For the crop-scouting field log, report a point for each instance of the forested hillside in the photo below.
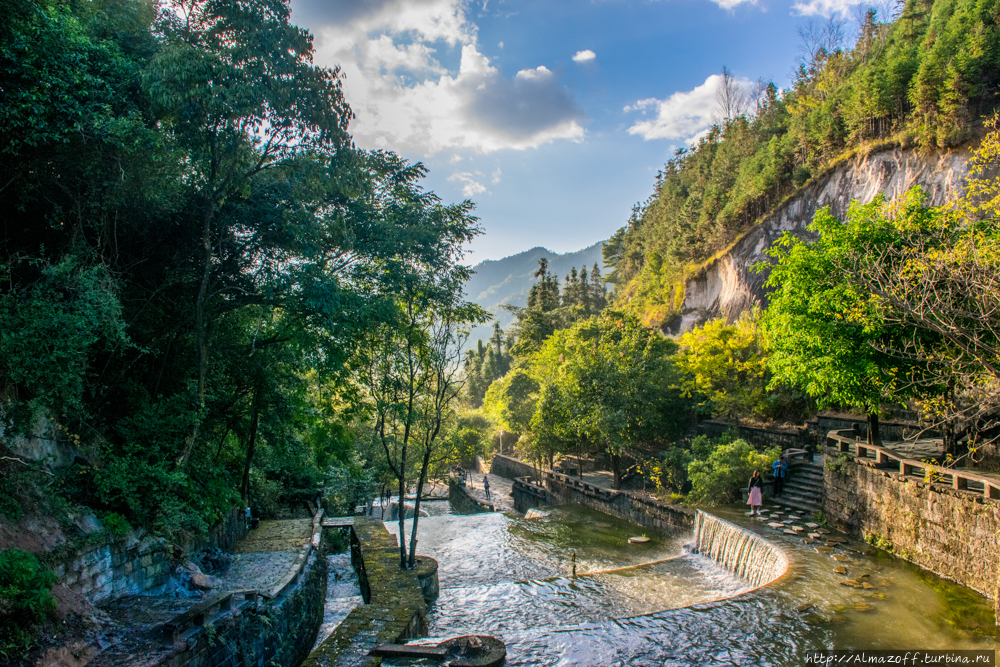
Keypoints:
(924, 79)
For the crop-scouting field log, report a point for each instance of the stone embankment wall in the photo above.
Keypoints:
(726, 286)
(630, 506)
(761, 437)
(465, 502)
(527, 495)
(136, 564)
(511, 468)
(395, 607)
(949, 532)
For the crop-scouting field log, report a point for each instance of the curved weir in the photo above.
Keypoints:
(740, 551)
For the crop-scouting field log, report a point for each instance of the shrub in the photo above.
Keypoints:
(25, 599)
(718, 479)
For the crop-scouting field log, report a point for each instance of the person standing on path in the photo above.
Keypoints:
(778, 469)
(486, 486)
(756, 495)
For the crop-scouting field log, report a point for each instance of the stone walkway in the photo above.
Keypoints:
(500, 491)
(266, 555)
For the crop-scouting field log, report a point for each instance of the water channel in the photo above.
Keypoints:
(512, 578)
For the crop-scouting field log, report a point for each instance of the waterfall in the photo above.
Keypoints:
(745, 553)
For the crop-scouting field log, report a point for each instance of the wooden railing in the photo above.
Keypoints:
(884, 457)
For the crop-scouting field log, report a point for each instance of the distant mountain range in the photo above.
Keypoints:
(507, 281)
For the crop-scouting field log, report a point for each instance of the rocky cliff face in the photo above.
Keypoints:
(726, 287)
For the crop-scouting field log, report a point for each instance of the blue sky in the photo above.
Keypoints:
(552, 116)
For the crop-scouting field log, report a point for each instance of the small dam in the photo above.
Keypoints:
(740, 551)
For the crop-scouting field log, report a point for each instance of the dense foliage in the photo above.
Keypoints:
(25, 597)
(192, 251)
(924, 78)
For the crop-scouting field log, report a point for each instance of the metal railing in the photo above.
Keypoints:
(845, 442)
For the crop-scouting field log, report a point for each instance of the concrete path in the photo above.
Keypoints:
(500, 490)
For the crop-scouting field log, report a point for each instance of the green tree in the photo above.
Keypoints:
(717, 479)
(823, 331)
(616, 379)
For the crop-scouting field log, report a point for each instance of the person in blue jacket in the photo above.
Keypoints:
(779, 469)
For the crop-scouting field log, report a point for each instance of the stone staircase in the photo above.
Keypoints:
(803, 486)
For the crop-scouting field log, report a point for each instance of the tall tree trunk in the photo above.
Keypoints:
(401, 505)
(201, 326)
(873, 432)
(616, 468)
(251, 446)
(416, 506)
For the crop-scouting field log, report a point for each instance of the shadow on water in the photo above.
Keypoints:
(512, 578)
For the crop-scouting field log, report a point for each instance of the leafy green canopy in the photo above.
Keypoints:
(191, 249)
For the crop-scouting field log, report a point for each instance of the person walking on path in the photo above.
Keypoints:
(756, 495)
(486, 486)
(778, 470)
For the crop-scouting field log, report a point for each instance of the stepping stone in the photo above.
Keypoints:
(789, 532)
(824, 550)
(862, 606)
(823, 530)
(840, 569)
(831, 543)
(814, 536)
(838, 540)
(776, 525)
(865, 585)
(842, 559)
(788, 521)
(812, 525)
(804, 607)
(853, 583)
(798, 529)
(865, 576)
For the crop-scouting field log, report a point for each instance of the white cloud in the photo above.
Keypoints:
(684, 115)
(406, 100)
(471, 187)
(732, 4)
(584, 56)
(825, 7)
(496, 175)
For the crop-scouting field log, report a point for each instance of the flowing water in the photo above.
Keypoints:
(660, 604)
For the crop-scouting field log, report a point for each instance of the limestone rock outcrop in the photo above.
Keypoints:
(727, 286)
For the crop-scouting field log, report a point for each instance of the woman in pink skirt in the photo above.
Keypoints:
(756, 498)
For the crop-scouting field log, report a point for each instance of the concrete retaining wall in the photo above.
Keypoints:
(951, 533)
(762, 437)
(463, 501)
(644, 511)
(527, 495)
(511, 468)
